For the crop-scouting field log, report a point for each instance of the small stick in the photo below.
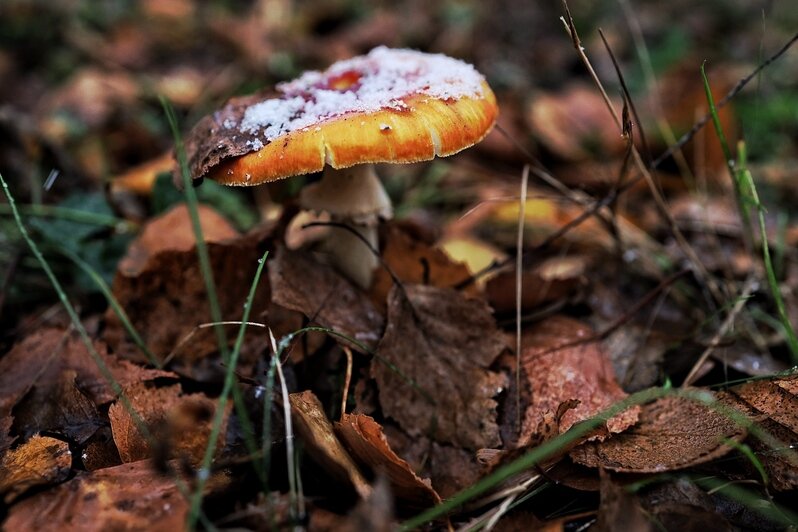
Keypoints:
(347, 380)
(724, 327)
(519, 263)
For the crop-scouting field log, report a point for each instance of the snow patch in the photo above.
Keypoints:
(364, 84)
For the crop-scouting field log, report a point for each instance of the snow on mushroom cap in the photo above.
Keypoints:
(364, 84)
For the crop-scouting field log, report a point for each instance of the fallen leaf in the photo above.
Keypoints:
(414, 262)
(574, 123)
(574, 372)
(161, 287)
(40, 461)
(673, 433)
(126, 497)
(366, 441)
(319, 436)
(775, 397)
(324, 296)
(551, 280)
(51, 382)
(619, 509)
(432, 371)
(180, 424)
(474, 252)
(173, 231)
(141, 178)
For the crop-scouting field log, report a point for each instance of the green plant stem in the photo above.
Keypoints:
(65, 213)
(727, 154)
(114, 304)
(548, 449)
(745, 177)
(229, 383)
(75, 319)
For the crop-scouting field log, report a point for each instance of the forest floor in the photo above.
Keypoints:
(584, 321)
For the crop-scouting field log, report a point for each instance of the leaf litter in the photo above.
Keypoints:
(432, 397)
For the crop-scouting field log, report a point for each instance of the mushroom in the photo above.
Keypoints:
(389, 106)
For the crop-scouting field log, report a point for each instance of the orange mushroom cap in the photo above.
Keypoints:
(391, 105)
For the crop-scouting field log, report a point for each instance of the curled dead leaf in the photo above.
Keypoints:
(366, 441)
(160, 285)
(181, 424)
(317, 432)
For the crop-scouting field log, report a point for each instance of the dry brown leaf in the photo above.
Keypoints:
(673, 433)
(317, 432)
(551, 280)
(366, 441)
(40, 461)
(414, 262)
(771, 404)
(557, 375)
(620, 510)
(432, 371)
(179, 423)
(775, 397)
(324, 296)
(574, 123)
(126, 497)
(160, 285)
(173, 231)
(51, 382)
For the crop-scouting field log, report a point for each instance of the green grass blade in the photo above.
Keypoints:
(747, 180)
(202, 248)
(738, 193)
(114, 304)
(546, 450)
(73, 215)
(229, 384)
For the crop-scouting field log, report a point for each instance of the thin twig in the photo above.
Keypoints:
(519, 271)
(347, 380)
(745, 294)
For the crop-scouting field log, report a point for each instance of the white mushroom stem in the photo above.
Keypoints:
(355, 197)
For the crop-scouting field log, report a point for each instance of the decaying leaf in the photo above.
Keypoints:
(673, 433)
(771, 404)
(51, 382)
(320, 293)
(317, 432)
(366, 441)
(181, 424)
(778, 398)
(432, 369)
(39, 461)
(126, 497)
(160, 285)
(620, 509)
(574, 123)
(575, 372)
(551, 280)
(414, 262)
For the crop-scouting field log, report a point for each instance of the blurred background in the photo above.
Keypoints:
(80, 83)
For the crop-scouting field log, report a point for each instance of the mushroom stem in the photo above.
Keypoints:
(353, 196)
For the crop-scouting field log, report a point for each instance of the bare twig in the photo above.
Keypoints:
(519, 271)
(748, 288)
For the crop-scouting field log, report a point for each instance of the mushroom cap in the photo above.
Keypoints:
(391, 105)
